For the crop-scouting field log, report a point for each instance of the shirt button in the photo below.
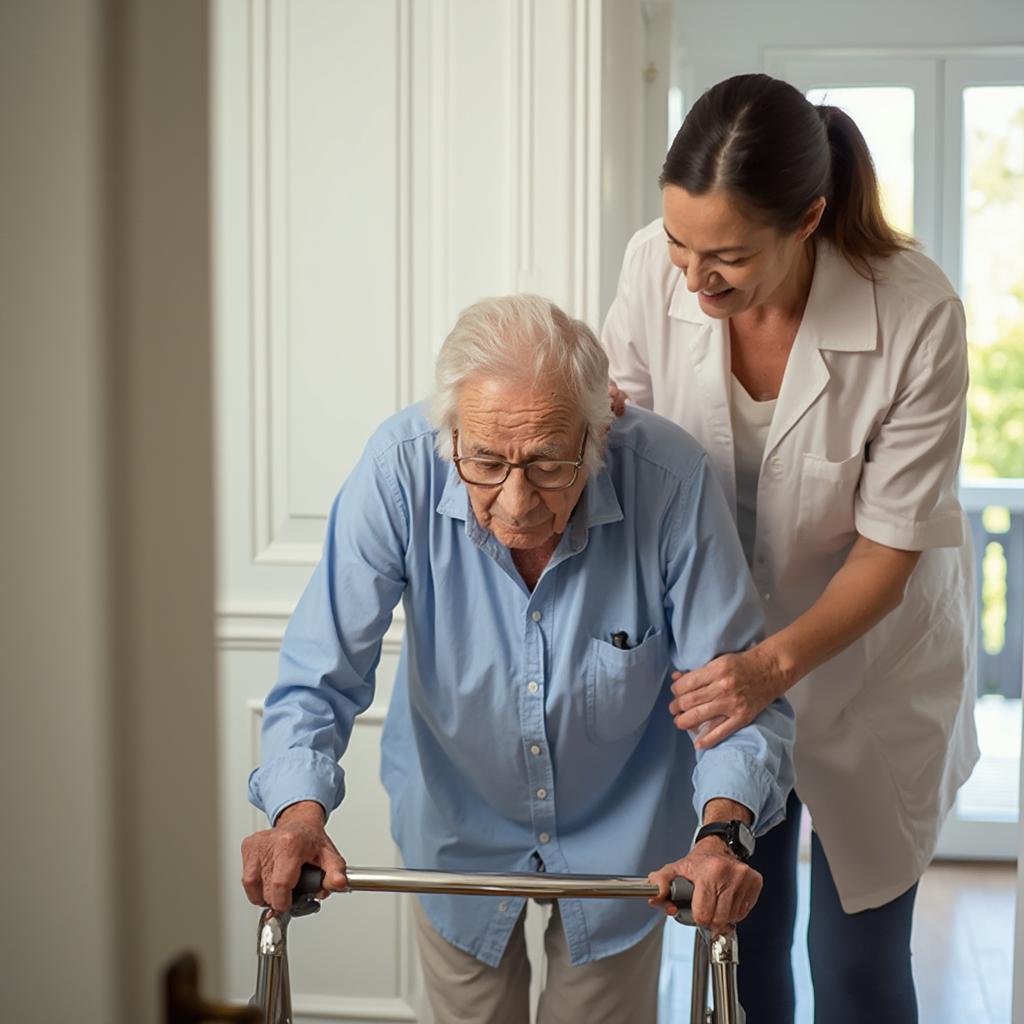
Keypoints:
(767, 596)
(532, 686)
(503, 907)
(541, 793)
(535, 750)
(544, 837)
(536, 616)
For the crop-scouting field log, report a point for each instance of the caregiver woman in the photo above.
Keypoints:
(822, 363)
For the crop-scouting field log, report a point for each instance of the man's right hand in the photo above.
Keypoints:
(272, 859)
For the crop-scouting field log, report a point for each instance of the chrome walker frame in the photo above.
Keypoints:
(715, 957)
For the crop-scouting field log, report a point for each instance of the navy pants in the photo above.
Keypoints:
(860, 963)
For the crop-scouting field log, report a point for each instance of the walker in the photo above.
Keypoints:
(714, 955)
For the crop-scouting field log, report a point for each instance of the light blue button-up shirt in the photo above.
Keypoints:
(518, 735)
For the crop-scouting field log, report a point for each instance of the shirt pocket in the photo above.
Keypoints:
(623, 686)
(828, 490)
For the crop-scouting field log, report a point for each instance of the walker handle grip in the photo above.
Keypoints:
(304, 901)
(680, 892)
(311, 881)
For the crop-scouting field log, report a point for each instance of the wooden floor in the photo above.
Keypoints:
(962, 945)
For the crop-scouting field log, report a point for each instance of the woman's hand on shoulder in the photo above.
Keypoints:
(618, 397)
(727, 694)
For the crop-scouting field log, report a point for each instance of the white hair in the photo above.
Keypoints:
(523, 339)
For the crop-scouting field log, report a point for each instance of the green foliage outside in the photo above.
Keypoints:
(995, 405)
(995, 402)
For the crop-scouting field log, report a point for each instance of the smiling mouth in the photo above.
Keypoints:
(716, 295)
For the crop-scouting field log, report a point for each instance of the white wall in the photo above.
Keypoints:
(110, 845)
(379, 167)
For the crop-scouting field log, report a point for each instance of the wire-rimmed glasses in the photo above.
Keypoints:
(544, 474)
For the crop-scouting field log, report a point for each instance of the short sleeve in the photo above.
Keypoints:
(907, 496)
(623, 334)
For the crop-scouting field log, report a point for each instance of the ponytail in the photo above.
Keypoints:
(760, 140)
(853, 220)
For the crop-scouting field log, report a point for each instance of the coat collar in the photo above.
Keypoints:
(840, 317)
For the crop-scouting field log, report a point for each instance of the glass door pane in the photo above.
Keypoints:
(895, 101)
(992, 284)
(885, 116)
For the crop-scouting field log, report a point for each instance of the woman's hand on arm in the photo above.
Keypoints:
(725, 695)
(735, 688)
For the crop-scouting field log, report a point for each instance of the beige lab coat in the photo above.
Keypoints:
(865, 440)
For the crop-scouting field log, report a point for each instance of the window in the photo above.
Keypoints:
(885, 115)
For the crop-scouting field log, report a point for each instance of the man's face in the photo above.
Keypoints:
(520, 423)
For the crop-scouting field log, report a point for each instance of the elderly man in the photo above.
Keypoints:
(554, 567)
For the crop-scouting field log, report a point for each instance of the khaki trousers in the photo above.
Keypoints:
(620, 989)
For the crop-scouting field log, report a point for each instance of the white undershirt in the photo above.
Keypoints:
(750, 423)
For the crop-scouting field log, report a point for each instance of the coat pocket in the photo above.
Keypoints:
(828, 493)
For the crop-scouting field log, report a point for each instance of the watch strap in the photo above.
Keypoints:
(735, 834)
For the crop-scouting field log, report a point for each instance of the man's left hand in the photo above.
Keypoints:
(724, 888)
(734, 688)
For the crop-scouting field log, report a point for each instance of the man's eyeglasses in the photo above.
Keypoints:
(544, 474)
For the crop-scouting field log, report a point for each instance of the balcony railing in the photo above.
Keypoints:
(999, 552)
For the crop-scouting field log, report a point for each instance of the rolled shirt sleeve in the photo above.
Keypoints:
(907, 497)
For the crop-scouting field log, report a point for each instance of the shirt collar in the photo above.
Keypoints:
(840, 314)
(454, 499)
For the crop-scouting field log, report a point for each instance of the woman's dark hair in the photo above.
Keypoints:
(761, 140)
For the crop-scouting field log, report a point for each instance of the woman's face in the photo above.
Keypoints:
(733, 263)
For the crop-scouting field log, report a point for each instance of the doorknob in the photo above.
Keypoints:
(184, 1005)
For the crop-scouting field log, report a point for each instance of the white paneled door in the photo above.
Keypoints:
(379, 166)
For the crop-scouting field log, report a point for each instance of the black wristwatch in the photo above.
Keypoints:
(735, 834)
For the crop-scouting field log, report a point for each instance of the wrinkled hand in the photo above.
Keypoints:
(724, 888)
(734, 689)
(619, 398)
(272, 859)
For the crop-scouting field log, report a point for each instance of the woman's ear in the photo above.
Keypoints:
(811, 219)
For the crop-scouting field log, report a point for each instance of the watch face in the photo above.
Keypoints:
(736, 835)
(745, 839)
